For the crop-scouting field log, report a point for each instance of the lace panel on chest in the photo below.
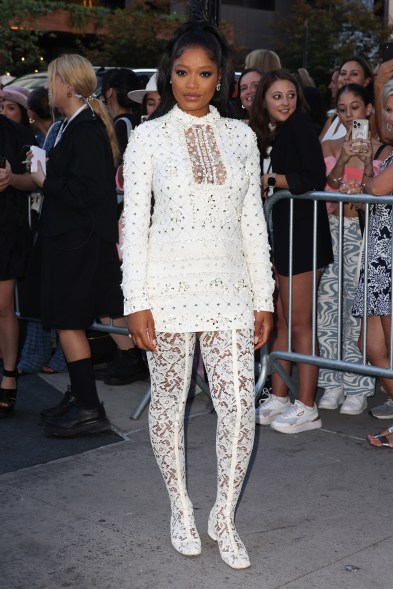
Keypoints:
(206, 162)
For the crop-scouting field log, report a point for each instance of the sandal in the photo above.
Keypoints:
(8, 396)
(383, 439)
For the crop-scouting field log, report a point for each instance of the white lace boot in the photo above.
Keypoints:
(169, 367)
(229, 362)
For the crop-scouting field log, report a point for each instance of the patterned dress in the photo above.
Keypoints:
(379, 261)
(201, 261)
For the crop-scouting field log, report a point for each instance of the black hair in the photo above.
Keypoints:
(38, 101)
(208, 36)
(122, 81)
(24, 116)
(361, 91)
(242, 112)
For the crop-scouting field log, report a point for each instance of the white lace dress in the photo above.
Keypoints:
(201, 261)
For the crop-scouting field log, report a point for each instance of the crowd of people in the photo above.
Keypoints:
(183, 169)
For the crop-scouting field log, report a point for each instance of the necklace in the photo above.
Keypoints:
(66, 122)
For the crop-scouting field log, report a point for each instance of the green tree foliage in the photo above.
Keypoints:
(319, 35)
(20, 50)
(136, 36)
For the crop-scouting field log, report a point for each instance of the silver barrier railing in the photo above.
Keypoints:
(331, 363)
(270, 362)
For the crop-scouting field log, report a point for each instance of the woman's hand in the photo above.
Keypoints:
(39, 176)
(364, 150)
(385, 72)
(141, 328)
(351, 187)
(263, 325)
(5, 176)
(346, 150)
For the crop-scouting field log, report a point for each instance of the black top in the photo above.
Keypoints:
(13, 202)
(79, 189)
(297, 154)
(122, 129)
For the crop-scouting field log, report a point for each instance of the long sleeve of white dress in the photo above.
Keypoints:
(200, 261)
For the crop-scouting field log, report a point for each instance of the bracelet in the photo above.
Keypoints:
(362, 188)
(338, 180)
(368, 175)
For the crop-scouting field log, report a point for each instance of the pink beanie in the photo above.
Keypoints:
(16, 93)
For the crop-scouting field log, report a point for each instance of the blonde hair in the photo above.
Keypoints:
(304, 77)
(78, 72)
(387, 91)
(264, 59)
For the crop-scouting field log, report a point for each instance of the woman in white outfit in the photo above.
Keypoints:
(198, 266)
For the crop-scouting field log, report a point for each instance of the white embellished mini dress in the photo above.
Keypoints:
(195, 245)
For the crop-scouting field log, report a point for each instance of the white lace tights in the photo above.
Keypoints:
(229, 362)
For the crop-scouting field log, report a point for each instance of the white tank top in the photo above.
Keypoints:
(335, 131)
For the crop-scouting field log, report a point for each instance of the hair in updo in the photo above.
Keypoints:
(362, 92)
(207, 36)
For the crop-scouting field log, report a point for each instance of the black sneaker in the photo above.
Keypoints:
(130, 368)
(69, 400)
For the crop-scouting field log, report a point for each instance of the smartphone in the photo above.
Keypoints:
(360, 129)
(387, 51)
(22, 153)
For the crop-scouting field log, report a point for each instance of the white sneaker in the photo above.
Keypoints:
(297, 418)
(269, 409)
(331, 399)
(354, 405)
(384, 411)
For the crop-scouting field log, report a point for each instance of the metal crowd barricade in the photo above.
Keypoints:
(332, 363)
(270, 362)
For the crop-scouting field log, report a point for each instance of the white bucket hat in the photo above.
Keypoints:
(138, 95)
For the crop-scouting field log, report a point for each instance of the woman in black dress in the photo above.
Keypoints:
(80, 270)
(297, 165)
(15, 242)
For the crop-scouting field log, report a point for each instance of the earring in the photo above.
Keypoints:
(69, 93)
(31, 121)
(170, 81)
(218, 87)
(243, 107)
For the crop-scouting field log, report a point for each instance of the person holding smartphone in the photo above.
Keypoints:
(377, 308)
(354, 70)
(347, 159)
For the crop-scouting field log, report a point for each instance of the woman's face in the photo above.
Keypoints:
(389, 114)
(333, 87)
(350, 107)
(58, 92)
(152, 101)
(281, 101)
(352, 73)
(248, 87)
(194, 79)
(11, 110)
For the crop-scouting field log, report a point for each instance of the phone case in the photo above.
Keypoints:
(360, 129)
(387, 51)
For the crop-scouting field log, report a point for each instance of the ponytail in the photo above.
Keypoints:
(101, 110)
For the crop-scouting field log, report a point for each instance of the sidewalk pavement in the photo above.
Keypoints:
(315, 513)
